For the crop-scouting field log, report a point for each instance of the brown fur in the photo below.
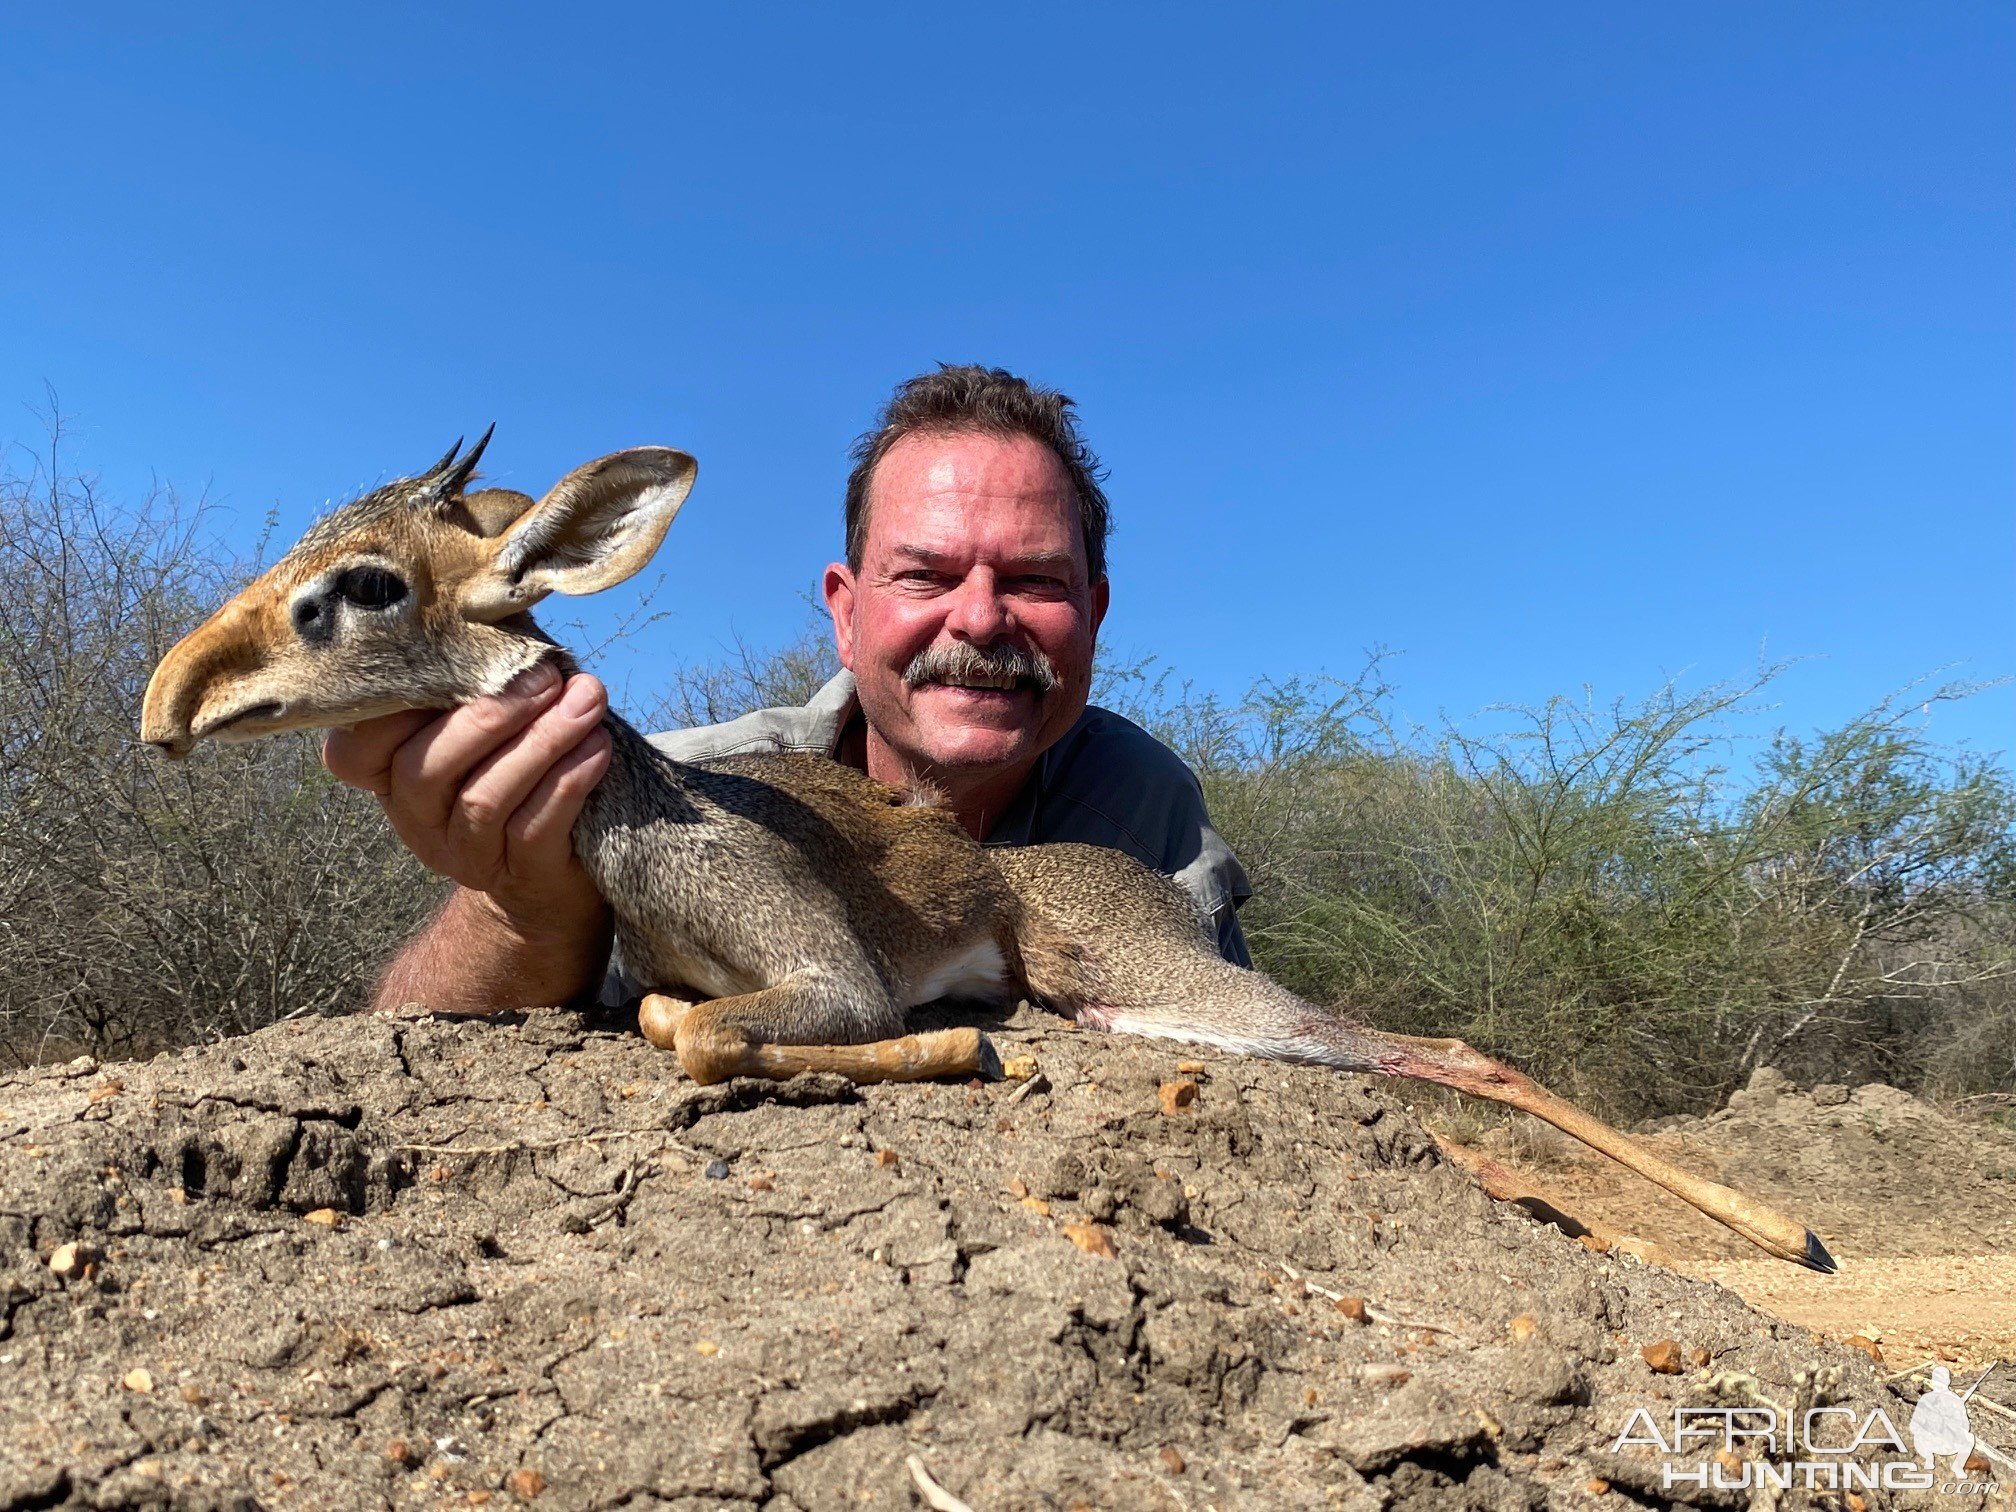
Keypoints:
(786, 910)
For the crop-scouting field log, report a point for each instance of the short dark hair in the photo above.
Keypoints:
(958, 399)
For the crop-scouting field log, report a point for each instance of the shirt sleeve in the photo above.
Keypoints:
(1231, 938)
(1213, 876)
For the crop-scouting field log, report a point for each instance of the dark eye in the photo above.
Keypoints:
(371, 587)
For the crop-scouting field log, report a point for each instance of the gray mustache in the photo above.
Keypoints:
(960, 661)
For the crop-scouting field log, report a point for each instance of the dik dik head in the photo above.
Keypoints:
(413, 597)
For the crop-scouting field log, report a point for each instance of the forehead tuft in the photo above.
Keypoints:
(379, 511)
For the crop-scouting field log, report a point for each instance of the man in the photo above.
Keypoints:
(966, 614)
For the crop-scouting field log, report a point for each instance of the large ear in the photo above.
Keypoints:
(598, 526)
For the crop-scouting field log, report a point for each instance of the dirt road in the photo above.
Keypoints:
(1917, 1204)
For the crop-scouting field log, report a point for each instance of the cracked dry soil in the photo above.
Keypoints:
(379, 1262)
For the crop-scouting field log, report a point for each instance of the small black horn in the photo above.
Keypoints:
(455, 478)
(436, 470)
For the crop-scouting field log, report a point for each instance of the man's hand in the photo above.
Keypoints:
(487, 795)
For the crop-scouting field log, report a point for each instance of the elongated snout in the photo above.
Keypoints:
(193, 691)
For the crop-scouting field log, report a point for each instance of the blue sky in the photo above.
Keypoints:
(1548, 346)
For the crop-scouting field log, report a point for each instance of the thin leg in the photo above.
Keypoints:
(1451, 1063)
(1242, 1011)
(1502, 1184)
(763, 1033)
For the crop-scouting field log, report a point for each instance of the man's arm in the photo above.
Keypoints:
(487, 795)
(474, 958)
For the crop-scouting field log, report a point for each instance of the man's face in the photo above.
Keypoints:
(973, 545)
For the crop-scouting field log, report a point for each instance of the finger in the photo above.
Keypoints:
(496, 786)
(361, 756)
(541, 833)
(428, 770)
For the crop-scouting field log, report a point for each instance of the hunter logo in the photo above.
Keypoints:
(1939, 1422)
(1824, 1448)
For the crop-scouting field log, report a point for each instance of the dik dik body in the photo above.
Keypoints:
(787, 910)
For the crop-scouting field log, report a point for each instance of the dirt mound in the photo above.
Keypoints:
(374, 1262)
(1918, 1204)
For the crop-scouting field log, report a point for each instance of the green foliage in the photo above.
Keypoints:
(1639, 903)
(745, 679)
(1612, 897)
(145, 904)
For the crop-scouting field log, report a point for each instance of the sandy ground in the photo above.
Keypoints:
(1917, 1204)
(1916, 1309)
(380, 1263)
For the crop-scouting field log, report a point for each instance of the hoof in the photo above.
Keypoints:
(659, 1018)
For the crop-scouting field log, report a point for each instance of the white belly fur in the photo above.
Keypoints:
(976, 973)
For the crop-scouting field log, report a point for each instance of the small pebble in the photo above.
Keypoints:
(1092, 1239)
(69, 1260)
(1175, 1096)
(525, 1483)
(717, 1170)
(1663, 1357)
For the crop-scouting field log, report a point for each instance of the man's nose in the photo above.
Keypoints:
(979, 613)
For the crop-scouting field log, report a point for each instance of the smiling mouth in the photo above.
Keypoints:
(987, 685)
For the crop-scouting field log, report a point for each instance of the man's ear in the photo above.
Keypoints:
(838, 587)
(599, 525)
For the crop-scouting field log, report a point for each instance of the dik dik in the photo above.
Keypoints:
(787, 910)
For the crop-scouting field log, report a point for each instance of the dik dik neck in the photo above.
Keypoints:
(642, 786)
